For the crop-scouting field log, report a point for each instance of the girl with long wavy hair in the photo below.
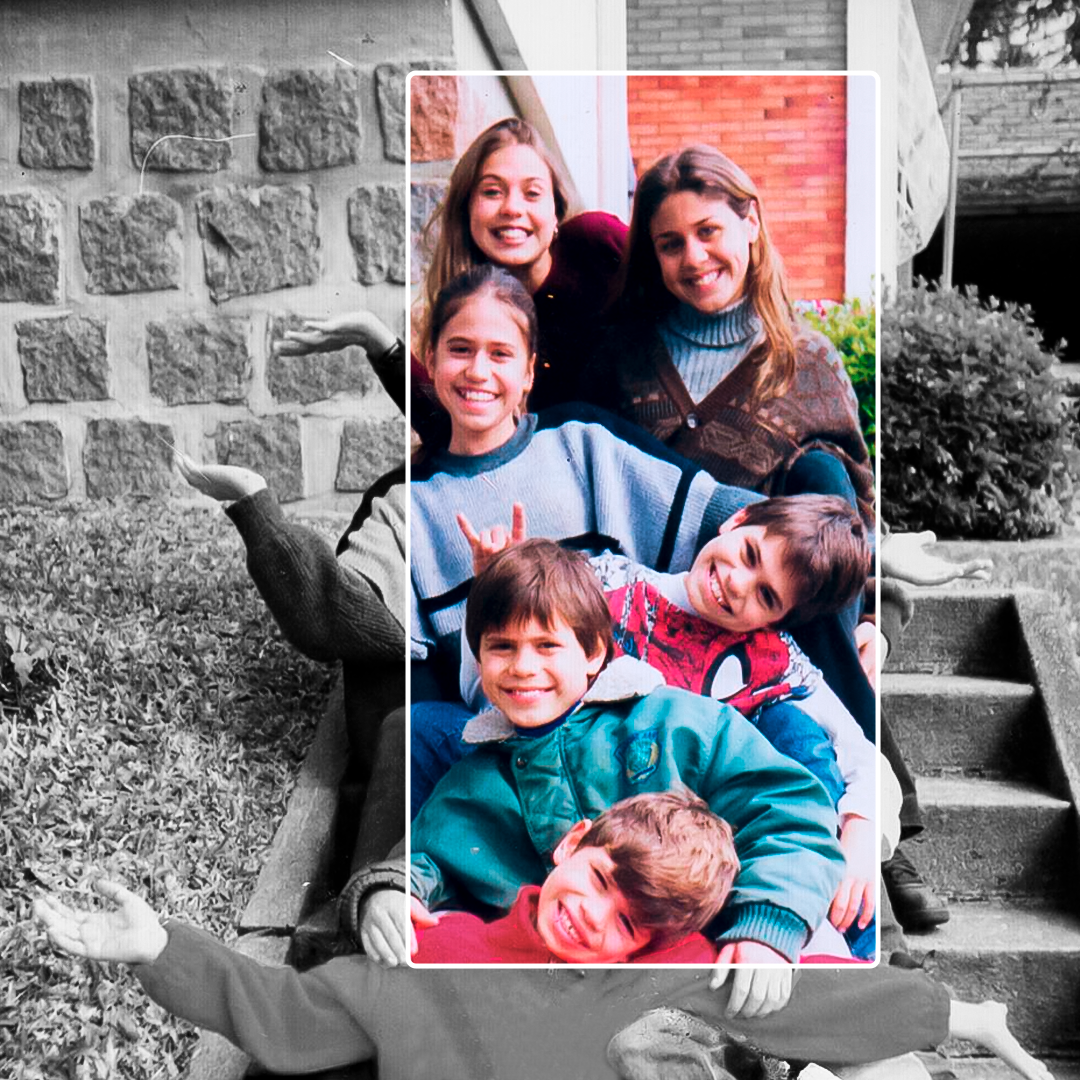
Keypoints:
(707, 352)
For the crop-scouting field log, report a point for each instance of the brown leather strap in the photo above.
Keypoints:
(722, 396)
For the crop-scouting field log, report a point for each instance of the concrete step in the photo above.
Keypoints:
(294, 876)
(967, 633)
(981, 1068)
(978, 725)
(994, 838)
(1027, 957)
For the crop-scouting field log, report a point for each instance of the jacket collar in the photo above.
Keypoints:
(623, 679)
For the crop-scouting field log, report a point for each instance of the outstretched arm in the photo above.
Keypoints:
(338, 332)
(385, 351)
(128, 933)
(287, 1021)
(904, 556)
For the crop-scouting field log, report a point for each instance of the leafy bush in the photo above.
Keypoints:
(853, 330)
(152, 720)
(979, 441)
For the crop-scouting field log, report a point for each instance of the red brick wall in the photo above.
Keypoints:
(787, 132)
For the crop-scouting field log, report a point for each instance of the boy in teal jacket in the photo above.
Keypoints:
(570, 735)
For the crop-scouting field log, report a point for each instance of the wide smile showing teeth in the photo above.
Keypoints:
(511, 234)
(477, 395)
(527, 693)
(703, 281)
(717, 590)
(567, 928)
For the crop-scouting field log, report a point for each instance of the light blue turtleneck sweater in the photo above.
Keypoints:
(705, 348)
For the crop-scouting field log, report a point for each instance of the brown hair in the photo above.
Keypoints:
(642, 293)
(826, 550)
(500, 284)
(447, 236)
(539, 580)
(674, 859)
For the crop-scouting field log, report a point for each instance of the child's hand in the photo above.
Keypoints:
(130, 933)
(221, 482)
(338, 332)
(856, 891)
(489, 542)
(904, 556)
(754, 991)
(383, 933)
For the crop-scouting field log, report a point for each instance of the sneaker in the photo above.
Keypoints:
(917, 906)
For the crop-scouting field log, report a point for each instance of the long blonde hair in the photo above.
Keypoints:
(447, 236)
(641, 292)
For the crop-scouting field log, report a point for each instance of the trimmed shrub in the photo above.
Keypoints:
(853, 330)
(979, 441)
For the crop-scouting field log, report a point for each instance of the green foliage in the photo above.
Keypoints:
(853, 330)
(1020, 33)
(979, 441)
(151, 723)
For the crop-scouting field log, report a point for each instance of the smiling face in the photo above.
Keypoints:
(512, 217)
(582, 915)
(482, 370)
(740, 580)
(703, 249)
(533, 673)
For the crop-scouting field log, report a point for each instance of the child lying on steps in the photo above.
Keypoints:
(450, 1024)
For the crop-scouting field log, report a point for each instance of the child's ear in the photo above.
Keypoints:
(530, 369)
(569, 843)
(732, 522)
(429, 360)
(596, 661)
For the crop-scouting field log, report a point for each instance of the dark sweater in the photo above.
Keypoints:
(462, 1024)
(340, 607)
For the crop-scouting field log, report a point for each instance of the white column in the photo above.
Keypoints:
(873, 30)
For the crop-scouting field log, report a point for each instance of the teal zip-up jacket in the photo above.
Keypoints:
(494, 820)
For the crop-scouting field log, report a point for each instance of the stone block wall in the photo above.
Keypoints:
(730, 34)
(144, 279)
(787, 131)
(447, 113)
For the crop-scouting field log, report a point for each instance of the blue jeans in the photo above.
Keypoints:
(435, 745)
(793, 733)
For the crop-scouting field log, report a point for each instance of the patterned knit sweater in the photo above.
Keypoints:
(634, 376)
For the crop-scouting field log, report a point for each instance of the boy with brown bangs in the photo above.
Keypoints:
(570, 735)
